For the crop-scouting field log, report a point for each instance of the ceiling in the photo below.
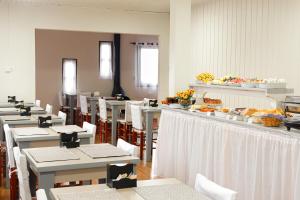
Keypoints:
(135, 5)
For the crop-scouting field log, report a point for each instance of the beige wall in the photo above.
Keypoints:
(53, 45)
(18, 21)
(254, 38)
(128, 66)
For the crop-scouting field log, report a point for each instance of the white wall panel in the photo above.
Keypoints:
(249, 38)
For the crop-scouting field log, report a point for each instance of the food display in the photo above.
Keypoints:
(207, 109)
(236, 81)
(212, 101)
(272, 120)
(205, 77)
(170, 100)
(273, 83)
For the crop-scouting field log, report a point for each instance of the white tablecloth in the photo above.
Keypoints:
(258, 164)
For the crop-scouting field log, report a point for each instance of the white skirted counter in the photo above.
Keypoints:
(259, 163)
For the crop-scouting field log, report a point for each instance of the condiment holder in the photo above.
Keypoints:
(121, 176)
(69, 140)
(44, 122)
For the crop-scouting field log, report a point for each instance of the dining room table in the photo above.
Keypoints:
(32, 137)
(12, 105)
(15, 121)
(156, 189)
(84, 163)
(34, 110)
(149, 114)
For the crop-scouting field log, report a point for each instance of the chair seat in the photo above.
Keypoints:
(123, 121)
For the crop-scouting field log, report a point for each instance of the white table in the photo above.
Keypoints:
(115, 107)
(16, 111)
(125, 194)
(255, 161)
(85, 168)
(15, 121)
(149, 113)
(41, 140)
(12, 105)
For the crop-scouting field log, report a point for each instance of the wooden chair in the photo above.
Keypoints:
(212, 190)
(11, 164)
(124, 126)
(91, 129)
(49, 109)
(63, 116)
(62, 103)
(127, 147)
(2, 161)
(84, 111)
(23, 174)
(104, 121)
(138, 129)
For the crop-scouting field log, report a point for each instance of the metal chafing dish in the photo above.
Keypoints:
(292, 106)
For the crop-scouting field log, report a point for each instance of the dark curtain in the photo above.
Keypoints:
(117, 70)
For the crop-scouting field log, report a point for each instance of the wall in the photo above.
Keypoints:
(128, 67)
(53, 45)
(18, 21)
(253, 38)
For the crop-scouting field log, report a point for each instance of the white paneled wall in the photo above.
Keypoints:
(249, 38)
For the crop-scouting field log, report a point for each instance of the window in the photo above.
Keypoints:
(105, 63)
(69, 75)
(147, 66)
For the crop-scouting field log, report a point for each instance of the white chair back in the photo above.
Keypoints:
(91, 129)
(41, 194)
(63, 116)
(213, 190)
(9, 146)
(38, 103)
(83, 104)
(129, 148)
(96, 94)
(103, 109)
(137, 117)
(128, 104)
(23, 174)
(49, 109)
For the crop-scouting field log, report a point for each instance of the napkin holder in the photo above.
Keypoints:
(19, 104)
(114, 170)
(69, 140)
(153, 103)
(45, 122)
(11, 99)
(25, 111)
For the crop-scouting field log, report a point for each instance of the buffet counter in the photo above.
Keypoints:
(259, 163)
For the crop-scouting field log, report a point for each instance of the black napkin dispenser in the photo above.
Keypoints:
(69, 140)
(25, 111)
(114, 170)
(11, 99)
(153, 103)
(45, 122)
(19, 104)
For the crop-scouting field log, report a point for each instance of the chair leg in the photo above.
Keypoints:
(141, 145)
(100, 131)
(106, 132)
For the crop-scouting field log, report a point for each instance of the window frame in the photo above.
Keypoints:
(138, 66)
(99, 59)
(76, 72)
